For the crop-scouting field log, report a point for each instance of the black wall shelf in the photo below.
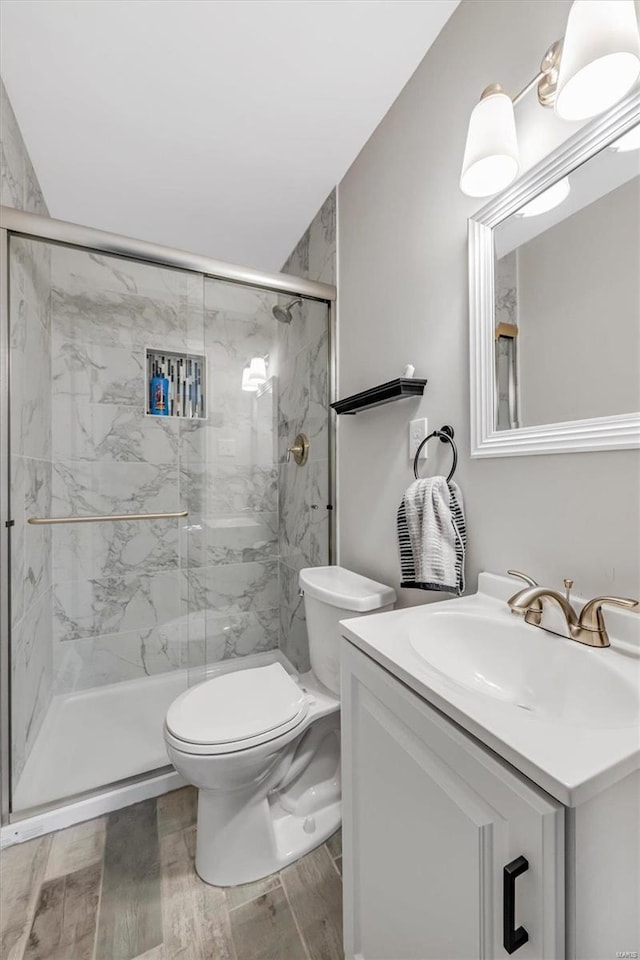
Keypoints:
(385, 393)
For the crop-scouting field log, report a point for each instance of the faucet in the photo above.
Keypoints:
(587, 627)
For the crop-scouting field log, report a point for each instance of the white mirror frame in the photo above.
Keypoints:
(621, 432)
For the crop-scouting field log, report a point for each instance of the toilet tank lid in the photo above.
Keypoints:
(343, 588)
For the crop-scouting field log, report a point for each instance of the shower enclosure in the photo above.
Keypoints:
(150, 536)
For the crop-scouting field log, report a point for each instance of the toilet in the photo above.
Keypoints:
(262, 744)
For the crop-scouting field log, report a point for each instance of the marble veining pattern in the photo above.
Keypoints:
(106, 431)
(120, 548)
(231, 588)
(294, 642)
(31, 676)
(229, 488)
(129, 599)
(80, 271)
(303, 399)
(238, 634)
(109, 604)
(19, 186)
(30, 463)
(314, 256)
(98, 373)
(18, 538)
(507, 289)
(112, 487)
(116, 596)
(293, 398)
(133, 320)
(37, 544)
(111, 658)
(242, 538)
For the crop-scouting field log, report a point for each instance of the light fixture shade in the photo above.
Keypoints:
(546, 201)
(600, 57)
(257, 371)
(491, 153)
(246, 383)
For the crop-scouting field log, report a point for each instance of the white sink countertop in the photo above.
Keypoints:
(566, 715)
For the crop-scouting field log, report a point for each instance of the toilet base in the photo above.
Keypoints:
(247, 834)
(291, 838)
(295, 836)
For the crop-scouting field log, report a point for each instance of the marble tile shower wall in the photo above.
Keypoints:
(507, 289)
(31, 494)
(232, 477)
(19, 185)
(119, 608)
(303, 404)
(139, 598)
(30, 467)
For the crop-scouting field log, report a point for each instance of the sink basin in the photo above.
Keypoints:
(501, 657)
(566, 715)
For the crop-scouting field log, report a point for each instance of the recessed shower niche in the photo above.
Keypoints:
(176, 384)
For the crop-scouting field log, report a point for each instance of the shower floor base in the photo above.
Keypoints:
(94, 738)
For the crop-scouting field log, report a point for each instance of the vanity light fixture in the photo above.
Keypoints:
(591, 69)
(257, 371)
(254, 374)
(491, 153)
(546, 201)
(600, 57)
(248, 384)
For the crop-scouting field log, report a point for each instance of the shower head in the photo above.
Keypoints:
(283, 313)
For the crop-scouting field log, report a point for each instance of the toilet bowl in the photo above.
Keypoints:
(262, 744)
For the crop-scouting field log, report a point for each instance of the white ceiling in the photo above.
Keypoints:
(215, 126)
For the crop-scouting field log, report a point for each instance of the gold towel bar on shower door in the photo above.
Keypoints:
(113, 516)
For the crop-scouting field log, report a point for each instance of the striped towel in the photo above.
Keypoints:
(432, 536)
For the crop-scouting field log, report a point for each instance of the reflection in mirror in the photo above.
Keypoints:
(567, 296)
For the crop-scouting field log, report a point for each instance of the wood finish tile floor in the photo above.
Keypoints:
(124, 886)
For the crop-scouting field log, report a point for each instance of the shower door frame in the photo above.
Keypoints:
(34, 227)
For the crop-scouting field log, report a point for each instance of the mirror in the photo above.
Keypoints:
(555, 299)
(567, 295)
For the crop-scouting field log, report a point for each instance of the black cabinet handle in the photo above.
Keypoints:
(512, 939)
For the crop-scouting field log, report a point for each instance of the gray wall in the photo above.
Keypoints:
(578, 313)
(30, 468)
(302, 405)
(403, 298)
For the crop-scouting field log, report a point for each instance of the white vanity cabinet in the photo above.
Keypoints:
(471, 742)
(431, 819)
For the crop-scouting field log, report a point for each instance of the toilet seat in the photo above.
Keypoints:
(236, 711)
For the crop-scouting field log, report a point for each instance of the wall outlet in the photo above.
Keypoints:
(226, 448)
(418, 430)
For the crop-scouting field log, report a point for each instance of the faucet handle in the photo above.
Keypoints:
(522, 576)
(592, 617)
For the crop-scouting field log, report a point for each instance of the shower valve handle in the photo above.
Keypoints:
(299, 449)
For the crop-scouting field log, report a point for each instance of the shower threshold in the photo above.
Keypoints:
(98, 737)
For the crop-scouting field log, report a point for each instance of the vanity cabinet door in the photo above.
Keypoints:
(430, 820)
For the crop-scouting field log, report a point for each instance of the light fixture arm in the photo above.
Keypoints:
(546, 80)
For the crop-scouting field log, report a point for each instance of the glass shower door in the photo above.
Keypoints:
(100, 610)
(257, 517)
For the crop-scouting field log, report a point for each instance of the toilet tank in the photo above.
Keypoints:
(332, 594)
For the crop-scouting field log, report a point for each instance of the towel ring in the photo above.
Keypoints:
(445, 435)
